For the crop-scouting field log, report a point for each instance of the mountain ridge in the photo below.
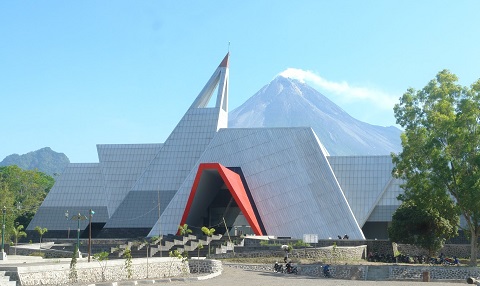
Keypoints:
(44, 160)
(286, 102)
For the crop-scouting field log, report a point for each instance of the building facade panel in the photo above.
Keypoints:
(322, 200)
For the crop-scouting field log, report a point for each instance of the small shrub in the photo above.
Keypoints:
(300, 243)
(37, 253)
(102, 258)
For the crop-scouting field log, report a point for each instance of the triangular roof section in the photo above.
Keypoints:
(78, 189)
(375, 179)
(234, 184)
(117, 160)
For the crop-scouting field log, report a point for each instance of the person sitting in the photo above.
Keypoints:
(441, 258)
(339, 237)
(345, 236)
(456, 261)
(288, 266)
(326, 271)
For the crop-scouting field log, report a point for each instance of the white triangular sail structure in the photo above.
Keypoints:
(179, 153)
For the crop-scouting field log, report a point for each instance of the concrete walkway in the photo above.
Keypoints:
(21, 260)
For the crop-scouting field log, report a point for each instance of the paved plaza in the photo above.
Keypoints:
(238, 277)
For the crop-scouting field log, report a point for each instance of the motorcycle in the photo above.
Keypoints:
(289, 269)
(277, 268)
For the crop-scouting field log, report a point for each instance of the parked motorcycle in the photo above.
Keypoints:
(290, 269)
(277, 268)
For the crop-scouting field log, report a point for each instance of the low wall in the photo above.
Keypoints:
(373, 246)
(449, 250)
(436, 272)
(360, 272)
(328, 254)
(204, 265)
(350, 272)
(57, 273)
(46, 253)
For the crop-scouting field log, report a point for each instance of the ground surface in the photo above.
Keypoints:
(238, 277)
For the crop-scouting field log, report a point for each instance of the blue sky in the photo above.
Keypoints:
(74, 74)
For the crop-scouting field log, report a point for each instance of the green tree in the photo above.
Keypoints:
(441, 148)
(184, 230)
(41, 231)
(199, 247)
(17, 232)
(6, 200)
(27, 190)
(208, 232)
(178, 255)
(73, 275)
(128, 262)
(425, 227)
(102, 258)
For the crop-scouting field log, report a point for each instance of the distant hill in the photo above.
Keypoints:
(44, 160)
(286, 102)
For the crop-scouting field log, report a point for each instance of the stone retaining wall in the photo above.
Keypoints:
(46, 253)
(114, 270)
(351, 272)
(327, 254)
(436, 272)
(205, 266)
(359, 272)
(374, 246)
(450, 250)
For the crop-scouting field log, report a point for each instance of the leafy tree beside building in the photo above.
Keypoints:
(22, 192)
(440, 160)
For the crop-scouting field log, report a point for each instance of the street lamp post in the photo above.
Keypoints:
(91, 212)
(68, 232)
(78, 218)
(3, 254)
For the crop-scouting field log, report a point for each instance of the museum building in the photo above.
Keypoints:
(261, 181)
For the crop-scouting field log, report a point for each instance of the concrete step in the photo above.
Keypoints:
(5, 280)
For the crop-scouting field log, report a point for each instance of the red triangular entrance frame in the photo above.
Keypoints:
(234, 184)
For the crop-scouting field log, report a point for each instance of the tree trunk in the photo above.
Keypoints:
(473, 246)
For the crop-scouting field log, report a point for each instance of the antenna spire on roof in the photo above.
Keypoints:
(228, 46)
